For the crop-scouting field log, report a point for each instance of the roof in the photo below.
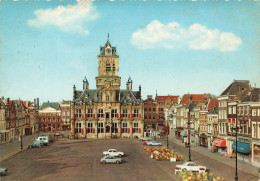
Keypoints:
(214, 110)
(25, 104)
(102, 49)
(237, 86)
(194, 97)
(125, 96)
(163, 98)
(253, 96)
(212, 103)
(54, 105)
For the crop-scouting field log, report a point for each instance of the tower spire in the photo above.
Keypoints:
(108, 36)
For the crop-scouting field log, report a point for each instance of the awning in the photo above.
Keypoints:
(241, 147)
(219, 143)
(191, 132)
(35, 127)
(183, 133)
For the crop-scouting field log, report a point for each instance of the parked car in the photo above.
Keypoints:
(189, 166)
(56, 133)
(110, 159)
(43, 139)
(3, 171)
(113, 152)
(154, 143)
(145, 139)
(36, 144)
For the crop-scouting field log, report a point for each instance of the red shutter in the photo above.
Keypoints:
(86, 115)
(128, 130)
(103, 130)
(139, 115)
(139, 130)
(117, 115)
(82, 115)
(93, 115)
(82, 130)
(128, 115)
(75, 130)
(93, 130)
(86, 130)
(98, 115)
(132, 115)
(121, 115)
(75, 115)
(121, 130)
(103, 115)
(132, 130)
(116, 130)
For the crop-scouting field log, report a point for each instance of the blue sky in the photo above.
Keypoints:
(171, 47)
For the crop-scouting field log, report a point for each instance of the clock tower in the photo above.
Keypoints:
(108, 81)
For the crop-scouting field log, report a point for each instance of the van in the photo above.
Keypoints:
(43, 139)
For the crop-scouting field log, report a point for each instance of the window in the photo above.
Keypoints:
(150, 116)
(245, 110)
(124, 128)
(68, 108)
(78, 128)
(254, 131)
(136, 112)
(78, 113)
(258, 112)
(234, 109)
(68, 120)
(100, 128)
(100, 113)
(161, 103)
(153, 116)
(153, 109)
(67, 113)
(229, 109)
(150, 110)
(114, 113)
(145, 116)
(114, 128)
(145, 109)
(125, 113)
(114, 67)
(90, 112)
(63, 113)
(90, 127)
(135, 129)
(108, 67)
(253, 112)
(63, 119)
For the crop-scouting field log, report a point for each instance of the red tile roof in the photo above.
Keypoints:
(29, 103)
(194, 97)
(212, 103)
(163, 98)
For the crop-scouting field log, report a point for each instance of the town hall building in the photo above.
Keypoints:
(108, 111)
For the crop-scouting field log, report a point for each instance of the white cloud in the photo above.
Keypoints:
(71, 18)
(173, 35)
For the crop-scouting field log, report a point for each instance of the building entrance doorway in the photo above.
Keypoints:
(107, 129)
(107, 116)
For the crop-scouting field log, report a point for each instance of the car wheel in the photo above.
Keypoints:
(119, 155)
(107, 154)
(117, 162)
(104, 162)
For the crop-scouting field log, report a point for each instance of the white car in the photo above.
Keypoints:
(189, 166)
(145, 139)
(113, 152)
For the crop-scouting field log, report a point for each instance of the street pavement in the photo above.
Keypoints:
(217, 164)
(11, 148)
(80, 159)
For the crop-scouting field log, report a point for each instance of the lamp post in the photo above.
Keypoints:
(21, 139)
(189, 133)
(236, 128)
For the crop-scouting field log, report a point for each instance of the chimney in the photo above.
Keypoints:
(34, 102)
(140, 91)
(3, 97)
(74, 92)
(38, 103)
(8, 99)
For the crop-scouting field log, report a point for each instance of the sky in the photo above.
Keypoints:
(172, 47)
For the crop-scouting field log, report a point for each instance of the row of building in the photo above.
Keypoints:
(213, 122)
(17, 118)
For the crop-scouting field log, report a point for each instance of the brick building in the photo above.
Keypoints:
(150, 114)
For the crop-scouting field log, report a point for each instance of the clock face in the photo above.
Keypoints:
(107, 85)
(108, 51)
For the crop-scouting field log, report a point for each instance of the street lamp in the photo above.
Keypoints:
(21, 139)
(236, 128)
(189, 133)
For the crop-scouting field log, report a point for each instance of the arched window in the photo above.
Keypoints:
(114, 67)
(107, 98)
